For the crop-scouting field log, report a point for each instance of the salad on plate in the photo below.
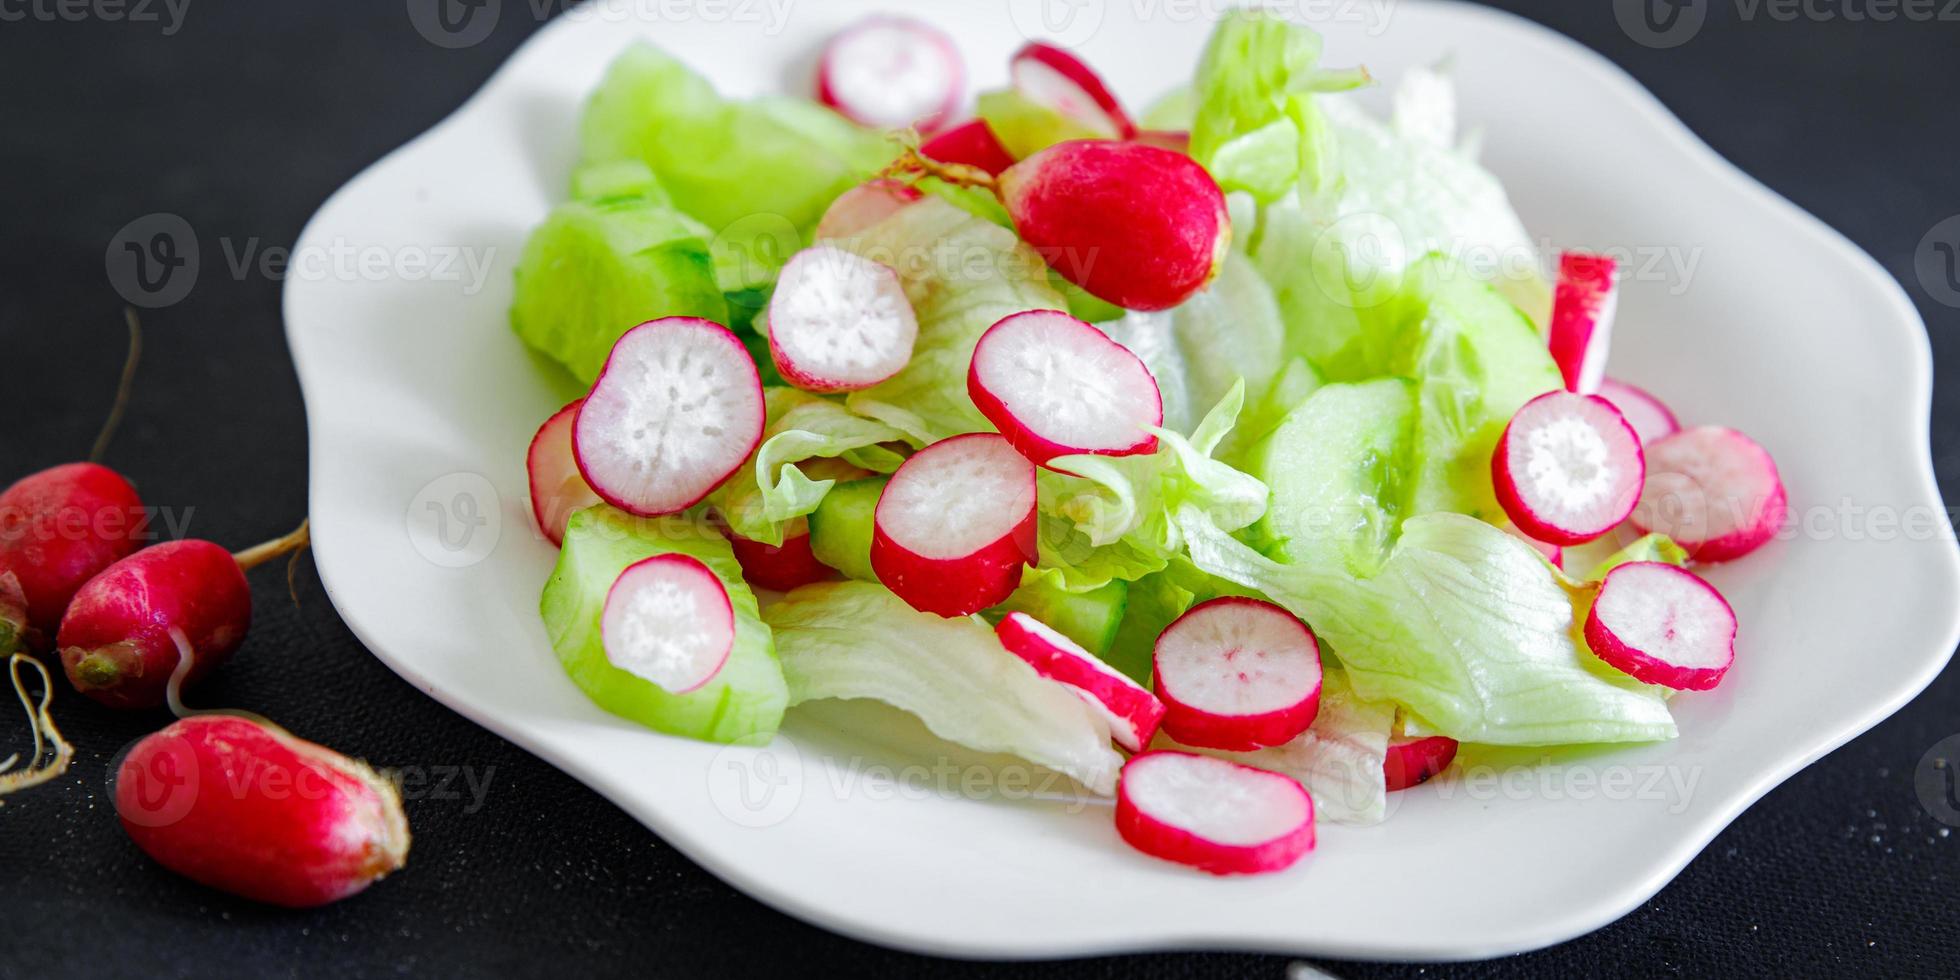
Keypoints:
(1178, 452)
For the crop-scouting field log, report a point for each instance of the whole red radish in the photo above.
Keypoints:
(245, 807)
(125, 633)
(61, 526)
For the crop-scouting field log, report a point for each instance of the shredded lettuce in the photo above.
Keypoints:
(770, 490)
(1257, 126)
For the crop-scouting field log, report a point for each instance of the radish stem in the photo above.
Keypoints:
(123, 387)
(47, 738)
(912, 163)
(259, 554)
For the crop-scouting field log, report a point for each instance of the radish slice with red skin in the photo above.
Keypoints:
(557, 487)
(1050, 76)
(972, 143)
(839, 321)
(1662, 624)
(1582, 318)
(1568, 468)
(1133, 712)
(1237, 674)
(863, 206)
(955, 524)
(780, 567)
(1715, 491)
(668, 621)
(675, 411)
(1056, 386)
(1414, 761)
(1213, 815)
(1651, 418)
(892, 72)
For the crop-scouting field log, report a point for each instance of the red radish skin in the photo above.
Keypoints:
(1133, 712)
(1662, 624)
(1414, 761)
(839, 321)
(558, 490)
(1568, 468)
(675, 411)
(116, 640)
(1050, 76)
(1583, 306)
(61, 526)
(1650, 417)
(668, 620)
(955, 525)
(1056, 386)
(780, 567)
(247, 808)
(971, 143)
(1237, 674)
(892, 72)
(863, 206)
(1213, 815)
(1134, 225)
(1715, 491)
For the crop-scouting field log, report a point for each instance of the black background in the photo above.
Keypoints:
(252, 113)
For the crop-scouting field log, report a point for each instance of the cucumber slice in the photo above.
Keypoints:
(840, 529)
(1089, 618)
(1338, 468)
(742, 703)
(618, 178)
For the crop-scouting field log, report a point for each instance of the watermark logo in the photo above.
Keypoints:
(756, 787)
(163, 789)
(1937, 262)
(456, 520)
(1937, 781)
(1063, 22)
(454, 23)
(1661, 24)
(152, 261)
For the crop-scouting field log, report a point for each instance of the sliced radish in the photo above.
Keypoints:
(890, 72)
(557, 487)
(1133, 712)
(839, 321)
(1055, 386)
(1237, 674)
(668, 621)
(972, 143)
(675, 411)
(1050, 76)
(1651, 419)
(1662, 624)
(955, 525)
(780, 567)
(1714, 491)
(1582, 318)
(1211, 814)
(863, 206)
(1553, 553)
(1413, 761)
(1568, 468)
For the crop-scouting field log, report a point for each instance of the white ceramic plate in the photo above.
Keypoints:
(421, 402)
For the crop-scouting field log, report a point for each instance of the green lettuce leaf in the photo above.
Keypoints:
(1256, 127)
(770, 490)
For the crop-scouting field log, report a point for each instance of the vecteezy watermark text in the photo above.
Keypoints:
(168, 13)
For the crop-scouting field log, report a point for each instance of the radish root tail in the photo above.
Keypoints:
(48, 743)
(173, 693)
(913, 165)
(291, 544)
(123, 387)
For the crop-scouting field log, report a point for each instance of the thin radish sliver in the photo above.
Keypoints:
(1715, 491)
(1413, 761)
(1662, 625)
(1650, 417)
(972, 143)
(1056, 386)
(838, 321)
(890, 72)
(1237, 674)
(667, 620)
(1582, 319)
(1213, 815)
(1050, 76)
(1568, 468)
(557, 487)
(863, 206)
(1132, 711)
(955, 525)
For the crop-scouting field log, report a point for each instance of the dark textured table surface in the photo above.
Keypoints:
(242, 117)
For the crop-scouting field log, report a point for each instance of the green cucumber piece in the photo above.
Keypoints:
(840, 528)
(1089, 618)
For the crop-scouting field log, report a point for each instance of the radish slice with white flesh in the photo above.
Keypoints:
(557, 487)
(972, 143)
(1211, 814)
(955, 525)
(1662, 624)
(1237, 674)
(1582, 319)
(838, 321)
(1133, 712)
(1715, 491)
(668, 621)
(1651, 418)
(1568, 468)
(674, 413)
(1049, 76)
(892, 72)
(1414, 761)
(863, 206)
(1055, 386)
